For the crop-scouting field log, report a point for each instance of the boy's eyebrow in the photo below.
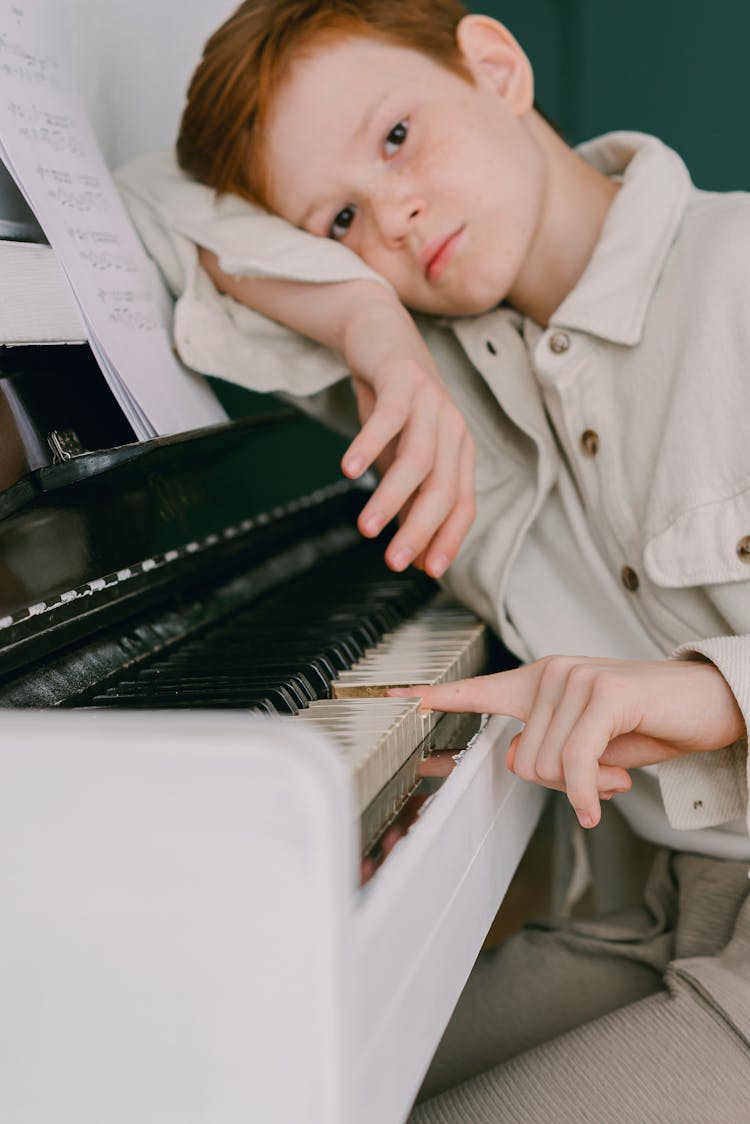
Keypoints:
(361, 129)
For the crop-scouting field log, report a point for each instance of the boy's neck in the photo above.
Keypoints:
(576, 205)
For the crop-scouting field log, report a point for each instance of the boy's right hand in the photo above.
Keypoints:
(411, 429)
(415, 435)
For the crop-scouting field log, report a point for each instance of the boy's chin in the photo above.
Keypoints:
(455, 307)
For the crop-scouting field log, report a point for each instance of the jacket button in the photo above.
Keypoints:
(559, 342)
(629, 578)
(743, 549)
(590, 442)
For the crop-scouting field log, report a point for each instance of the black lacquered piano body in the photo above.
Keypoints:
(119, 526)
(182, 909)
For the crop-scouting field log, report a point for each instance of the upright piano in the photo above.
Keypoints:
(184, 817)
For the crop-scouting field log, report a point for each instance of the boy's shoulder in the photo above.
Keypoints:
(717, 224)
(709, 261)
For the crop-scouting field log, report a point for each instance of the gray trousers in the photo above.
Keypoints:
(637, 1017)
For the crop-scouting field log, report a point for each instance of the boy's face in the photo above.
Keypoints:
(437, 183)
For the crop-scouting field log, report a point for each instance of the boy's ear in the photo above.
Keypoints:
(495, 59)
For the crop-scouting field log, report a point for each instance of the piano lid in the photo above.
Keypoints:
(151, 511)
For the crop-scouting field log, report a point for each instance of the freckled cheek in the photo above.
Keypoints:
(431, 160)
(447, 172)
(470, 184)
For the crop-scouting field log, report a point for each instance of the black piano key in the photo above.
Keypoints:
(298, 686)
(276, 700)
(306, 661)
(312, 680)
(257, 706)
(263, 647)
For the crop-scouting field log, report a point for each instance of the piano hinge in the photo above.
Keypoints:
(64, 444)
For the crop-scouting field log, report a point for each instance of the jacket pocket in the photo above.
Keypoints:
(706, 545)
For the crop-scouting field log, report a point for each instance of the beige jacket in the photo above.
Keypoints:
(649, 354)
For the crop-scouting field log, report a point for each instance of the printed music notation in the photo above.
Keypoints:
(47, 143)
(22, 58)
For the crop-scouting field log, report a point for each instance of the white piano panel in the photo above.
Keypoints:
(174, 892)
(183, 937)
(421, 922)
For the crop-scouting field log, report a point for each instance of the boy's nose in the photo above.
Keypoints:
(396, 217)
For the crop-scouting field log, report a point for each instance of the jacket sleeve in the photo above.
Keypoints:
(214, 334)
(700, 499)
(706, 789)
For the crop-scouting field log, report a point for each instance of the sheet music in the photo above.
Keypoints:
(49, 147)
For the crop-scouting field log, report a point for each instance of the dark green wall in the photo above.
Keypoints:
(679, 70)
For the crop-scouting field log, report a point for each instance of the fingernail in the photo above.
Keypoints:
(354, 466)
(374, 523)
(402, 558)
(439, 565)
(584, 819)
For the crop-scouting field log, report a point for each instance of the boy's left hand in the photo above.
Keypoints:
(426, 469)
(413, 432)
(587, 721)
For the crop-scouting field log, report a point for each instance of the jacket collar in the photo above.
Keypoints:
(612, 296)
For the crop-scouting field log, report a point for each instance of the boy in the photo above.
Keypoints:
(597, 315)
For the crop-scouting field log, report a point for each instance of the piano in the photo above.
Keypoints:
(185, 813)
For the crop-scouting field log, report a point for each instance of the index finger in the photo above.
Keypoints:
(388, 418)
(505, 692)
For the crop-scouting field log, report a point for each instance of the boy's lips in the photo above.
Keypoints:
(436, 255)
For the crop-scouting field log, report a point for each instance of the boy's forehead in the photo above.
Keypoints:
(347, 65)
(327, 102)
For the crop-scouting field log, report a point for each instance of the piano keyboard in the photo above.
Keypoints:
(323, 649)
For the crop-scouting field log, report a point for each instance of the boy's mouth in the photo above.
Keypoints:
(437, 255)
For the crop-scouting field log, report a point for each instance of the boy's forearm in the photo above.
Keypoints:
(329, 313)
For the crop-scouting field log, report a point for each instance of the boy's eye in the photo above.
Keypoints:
(396, 137)
(342, 222)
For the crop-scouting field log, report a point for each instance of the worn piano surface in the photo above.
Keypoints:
(185, 933)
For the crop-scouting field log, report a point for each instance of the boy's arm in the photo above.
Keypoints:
(587, 721)
(410, 427)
